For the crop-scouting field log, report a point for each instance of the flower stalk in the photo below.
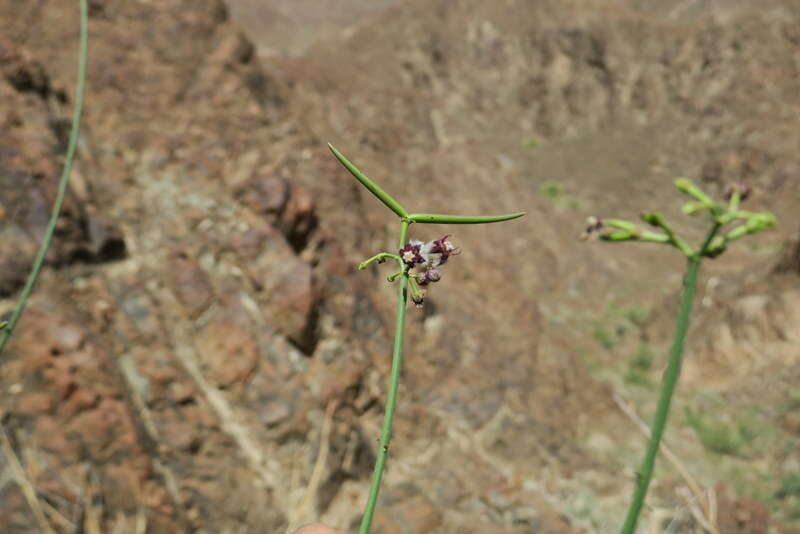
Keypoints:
(713, 245)
(412, 256)
(391, 398)
(7, 327)
(670, 380)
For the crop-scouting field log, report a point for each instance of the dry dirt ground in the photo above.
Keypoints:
(201, 354)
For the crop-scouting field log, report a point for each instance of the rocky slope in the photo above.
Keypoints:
(201, 338)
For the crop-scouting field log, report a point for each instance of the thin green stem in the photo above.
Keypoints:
(670, 380)
(392, 277)
(735, 201)
(657, 220)
(433, 218)
(671, 375)
(380, 258)
(653, 237)
(63, 182)
(391, 400)
(374, 188)
(403, 233)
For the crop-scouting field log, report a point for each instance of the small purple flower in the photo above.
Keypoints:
(742, 188)
(439, 250)
(411, 253)
(429, 276)
(418, 300)
(593, 225)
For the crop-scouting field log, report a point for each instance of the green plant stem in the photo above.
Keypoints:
(391, 400)
(670, 380)
(380, 258)
(63, 182)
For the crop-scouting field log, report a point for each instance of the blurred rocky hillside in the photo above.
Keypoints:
(201, 354)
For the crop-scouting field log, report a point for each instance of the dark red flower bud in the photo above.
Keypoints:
(742, 188)
(593, 225)
(429, 276)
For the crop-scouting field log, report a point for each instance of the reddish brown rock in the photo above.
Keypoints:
(105, 241)
(299, 219)
(59, 372)
(49, 434)
(33, 403)
(103, 429)
(122, 485)
(189, 282)
(80, 400)
(265, 195)
(180, 392)
(744, 515)
(292, 301)
(180, 435)
(65, 337)
(407, 511)
(228, 352)
(249, 244)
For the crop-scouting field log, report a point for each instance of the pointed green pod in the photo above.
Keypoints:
(432, 218)
(382, 195)
(685, 185)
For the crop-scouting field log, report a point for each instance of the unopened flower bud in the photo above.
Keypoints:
(429, 276)
(741, 188)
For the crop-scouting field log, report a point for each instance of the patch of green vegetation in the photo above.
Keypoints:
(637, 315)
(533, 142)
(585, 506)
(793, 511)
(617, 321)
(720, 436)
(604, 336)
(561, 199)
(639, 365)
(790, 486)
(753, 481)
(794, 398)
(551, 190)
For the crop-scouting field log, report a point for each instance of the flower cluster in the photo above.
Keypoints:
(431, 254)
(425, 259)
(593, 225)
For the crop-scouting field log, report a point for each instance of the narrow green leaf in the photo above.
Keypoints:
(382, 195)
(432, 218)
(619, 236)
(622, 225)
(654, 219)
(685, 185)
(693, 208)
(654, 237)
